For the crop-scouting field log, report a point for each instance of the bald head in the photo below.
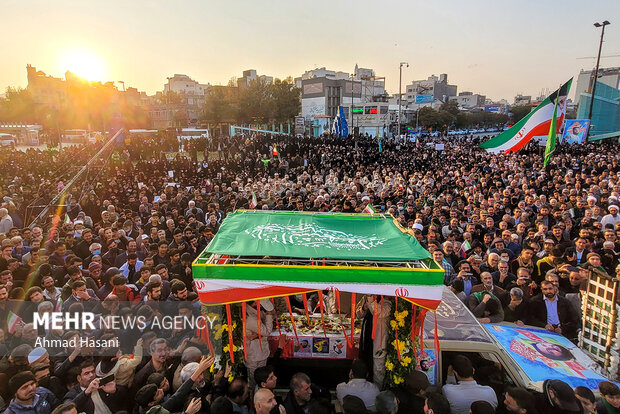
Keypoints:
(264, 401)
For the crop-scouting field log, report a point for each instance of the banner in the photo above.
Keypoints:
(575, 131)
(424, 99)
(546, 355)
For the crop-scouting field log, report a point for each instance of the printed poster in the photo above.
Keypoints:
(427, 363)
(338, 348)
(546, 355)
(304, 348)
(575, 131)
(320, 347)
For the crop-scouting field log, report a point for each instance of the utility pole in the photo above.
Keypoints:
(598, 59)
(400, 96)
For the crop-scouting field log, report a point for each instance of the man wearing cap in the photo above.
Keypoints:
(612, 218)
(28, 397)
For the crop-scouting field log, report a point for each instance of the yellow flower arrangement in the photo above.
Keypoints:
(398, 380)
(405, 361)
(231, 378)
(400, 344)
(226, 348)
(393, 324)
(389, 366)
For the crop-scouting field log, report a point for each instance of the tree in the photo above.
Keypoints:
(255, 102)
(519, 112)
(286, 102)
(451, 107)
(17, 106)
(219, 106)
(429, 117)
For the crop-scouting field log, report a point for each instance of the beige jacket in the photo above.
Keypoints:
(254, 347)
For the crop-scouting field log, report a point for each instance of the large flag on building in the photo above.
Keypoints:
(339, 127)
(534, 125)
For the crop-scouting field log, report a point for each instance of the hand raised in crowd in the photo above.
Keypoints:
(194, 406)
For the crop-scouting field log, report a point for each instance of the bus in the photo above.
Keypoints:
(193, 133)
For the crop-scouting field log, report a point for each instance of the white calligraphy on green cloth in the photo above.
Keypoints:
(311, 235)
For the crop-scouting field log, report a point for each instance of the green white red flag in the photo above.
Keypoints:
(253, 201)
(12, 320)
(369, 209)
(536, 124)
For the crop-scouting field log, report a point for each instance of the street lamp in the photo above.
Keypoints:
(598, 59)
(400, 81)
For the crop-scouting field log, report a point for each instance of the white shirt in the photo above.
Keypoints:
(460, 396)
(359, 387)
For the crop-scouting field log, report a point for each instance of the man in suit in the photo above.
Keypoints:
(552, 312)
(577, 254)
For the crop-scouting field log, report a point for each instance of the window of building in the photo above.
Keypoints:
(384, 110)
(370, 110)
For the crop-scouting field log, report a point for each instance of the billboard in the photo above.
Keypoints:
(424, 99)
(575, 131)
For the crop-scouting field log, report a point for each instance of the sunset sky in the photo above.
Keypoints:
(494, 47)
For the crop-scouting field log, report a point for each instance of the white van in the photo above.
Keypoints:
(507, 354)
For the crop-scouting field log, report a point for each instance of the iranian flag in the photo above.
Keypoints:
(253, 202)
(12, 320)
(67, 219)
(369, 209)
(536, 124)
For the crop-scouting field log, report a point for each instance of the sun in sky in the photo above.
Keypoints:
(83, 63)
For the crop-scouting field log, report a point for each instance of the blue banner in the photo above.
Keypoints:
(424, 99)
(344, 129)
(546, 355)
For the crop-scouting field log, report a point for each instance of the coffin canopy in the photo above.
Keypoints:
(260, 254)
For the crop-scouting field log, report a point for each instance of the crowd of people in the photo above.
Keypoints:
(517, 242)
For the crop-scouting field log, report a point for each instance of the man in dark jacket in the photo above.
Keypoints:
(301, 392)
(80, 394)
(552, 312)
(28, 398)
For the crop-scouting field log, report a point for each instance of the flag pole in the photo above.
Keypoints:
(551, 139)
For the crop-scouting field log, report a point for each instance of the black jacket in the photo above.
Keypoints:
(537, 315)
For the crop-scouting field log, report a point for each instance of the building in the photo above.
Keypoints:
(469, 100)
(523, 100)
(373, 87)
(429, 92)
(607, 76)
(372, 118)
(606, 109)
(251, 75)
(321, 73)
(46, 90)
(184, 85)
(321, 97)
